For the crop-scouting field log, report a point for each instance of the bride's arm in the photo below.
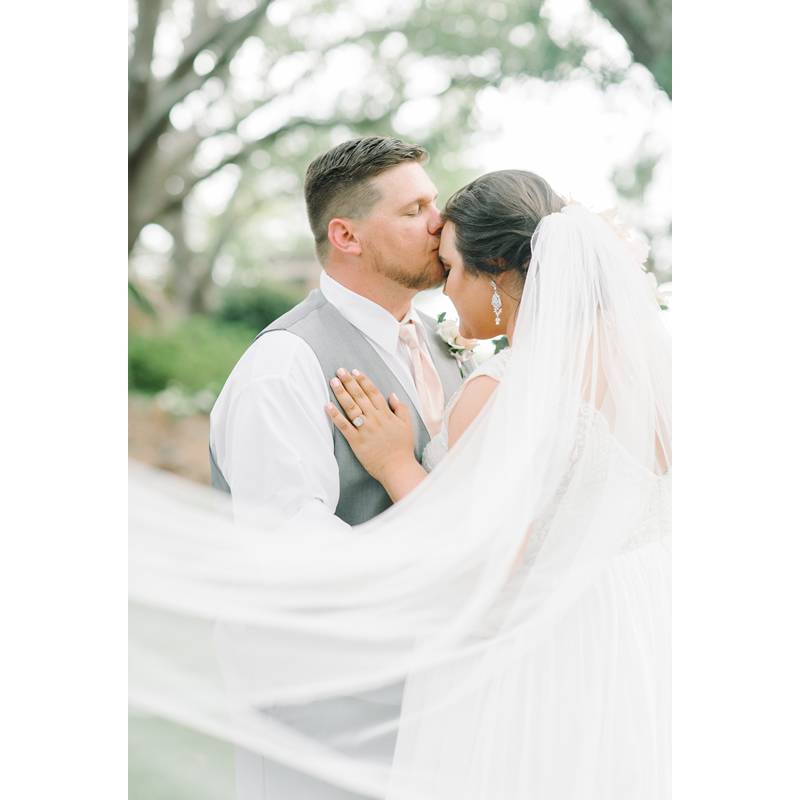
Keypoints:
(403, 478)
(384, 444)
(473, 398)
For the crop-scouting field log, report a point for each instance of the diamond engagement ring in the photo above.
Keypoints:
(358, 421)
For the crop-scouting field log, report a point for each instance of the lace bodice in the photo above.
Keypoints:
(437, 448)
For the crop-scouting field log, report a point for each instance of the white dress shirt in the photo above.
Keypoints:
(270, 434)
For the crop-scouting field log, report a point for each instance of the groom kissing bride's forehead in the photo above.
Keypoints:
(371, 199)
(372, 212)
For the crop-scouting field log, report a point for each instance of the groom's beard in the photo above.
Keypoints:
(428, 278)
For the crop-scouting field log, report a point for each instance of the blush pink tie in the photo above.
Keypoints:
(426, 378)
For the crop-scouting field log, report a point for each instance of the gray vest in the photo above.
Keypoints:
(338, 343)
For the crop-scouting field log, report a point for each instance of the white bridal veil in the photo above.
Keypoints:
(519, 596)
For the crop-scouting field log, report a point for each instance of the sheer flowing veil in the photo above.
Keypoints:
(520, 593)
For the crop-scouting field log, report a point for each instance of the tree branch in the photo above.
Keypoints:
(205, 34)
(147, 14)
(232, 34)
(237, 158)
(647, 30)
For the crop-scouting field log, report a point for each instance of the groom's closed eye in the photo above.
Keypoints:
(415, 208)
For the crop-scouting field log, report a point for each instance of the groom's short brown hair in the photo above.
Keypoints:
(338, 182)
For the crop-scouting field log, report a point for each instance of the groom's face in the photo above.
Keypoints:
(400, 236)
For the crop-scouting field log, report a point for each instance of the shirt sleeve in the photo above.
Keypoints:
(272, 438)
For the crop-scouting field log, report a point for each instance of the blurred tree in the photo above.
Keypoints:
(231, 99)
(217, 94)
(646, 26)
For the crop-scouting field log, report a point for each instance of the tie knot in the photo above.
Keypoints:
(408, 334)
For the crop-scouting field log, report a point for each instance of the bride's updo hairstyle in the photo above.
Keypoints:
(495, 217)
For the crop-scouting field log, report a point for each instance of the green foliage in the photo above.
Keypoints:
(646, 26)
(255, 307)
(500, 343)
(197, 354)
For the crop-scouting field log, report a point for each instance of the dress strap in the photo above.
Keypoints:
(494, 367)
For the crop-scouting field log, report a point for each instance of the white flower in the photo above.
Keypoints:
(664, 294)
(447, 330)
(461, 349)
(639, 249)
(661, 292)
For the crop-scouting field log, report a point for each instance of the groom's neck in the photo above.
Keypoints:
(388, 294)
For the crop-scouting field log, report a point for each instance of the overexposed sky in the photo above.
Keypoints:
(574, 135)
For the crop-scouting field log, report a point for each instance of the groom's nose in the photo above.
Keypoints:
(435, 221)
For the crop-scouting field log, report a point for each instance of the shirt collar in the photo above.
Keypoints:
(371, 319)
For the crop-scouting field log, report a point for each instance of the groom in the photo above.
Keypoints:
(373, 215)
(372, 211)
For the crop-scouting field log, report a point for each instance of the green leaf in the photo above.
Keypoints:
(500, 343)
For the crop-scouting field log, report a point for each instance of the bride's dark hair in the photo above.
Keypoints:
(495, 217)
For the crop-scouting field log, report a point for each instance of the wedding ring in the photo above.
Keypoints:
(358, 421)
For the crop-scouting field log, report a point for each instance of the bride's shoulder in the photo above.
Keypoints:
(492, 367)
(474, 394)
(471, 400)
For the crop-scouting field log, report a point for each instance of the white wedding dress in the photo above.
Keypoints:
(521, 591)
(544, 689)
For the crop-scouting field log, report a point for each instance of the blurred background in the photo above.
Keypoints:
(229, 100)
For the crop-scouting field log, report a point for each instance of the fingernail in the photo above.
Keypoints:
(356, 372)
(329, 406)
(336, 383)
(341, 372)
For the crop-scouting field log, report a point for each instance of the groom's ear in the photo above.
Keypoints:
(343, 237)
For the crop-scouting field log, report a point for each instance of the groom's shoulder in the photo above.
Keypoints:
(296, 315)
(294, 337)
(278, 355)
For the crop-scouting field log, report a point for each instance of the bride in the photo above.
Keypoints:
(519, 587)
(489, 223)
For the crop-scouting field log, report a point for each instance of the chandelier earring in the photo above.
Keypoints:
(497, 303)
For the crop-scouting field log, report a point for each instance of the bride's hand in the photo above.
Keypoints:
(384, 441)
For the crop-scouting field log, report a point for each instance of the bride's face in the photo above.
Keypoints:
(471, 294)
